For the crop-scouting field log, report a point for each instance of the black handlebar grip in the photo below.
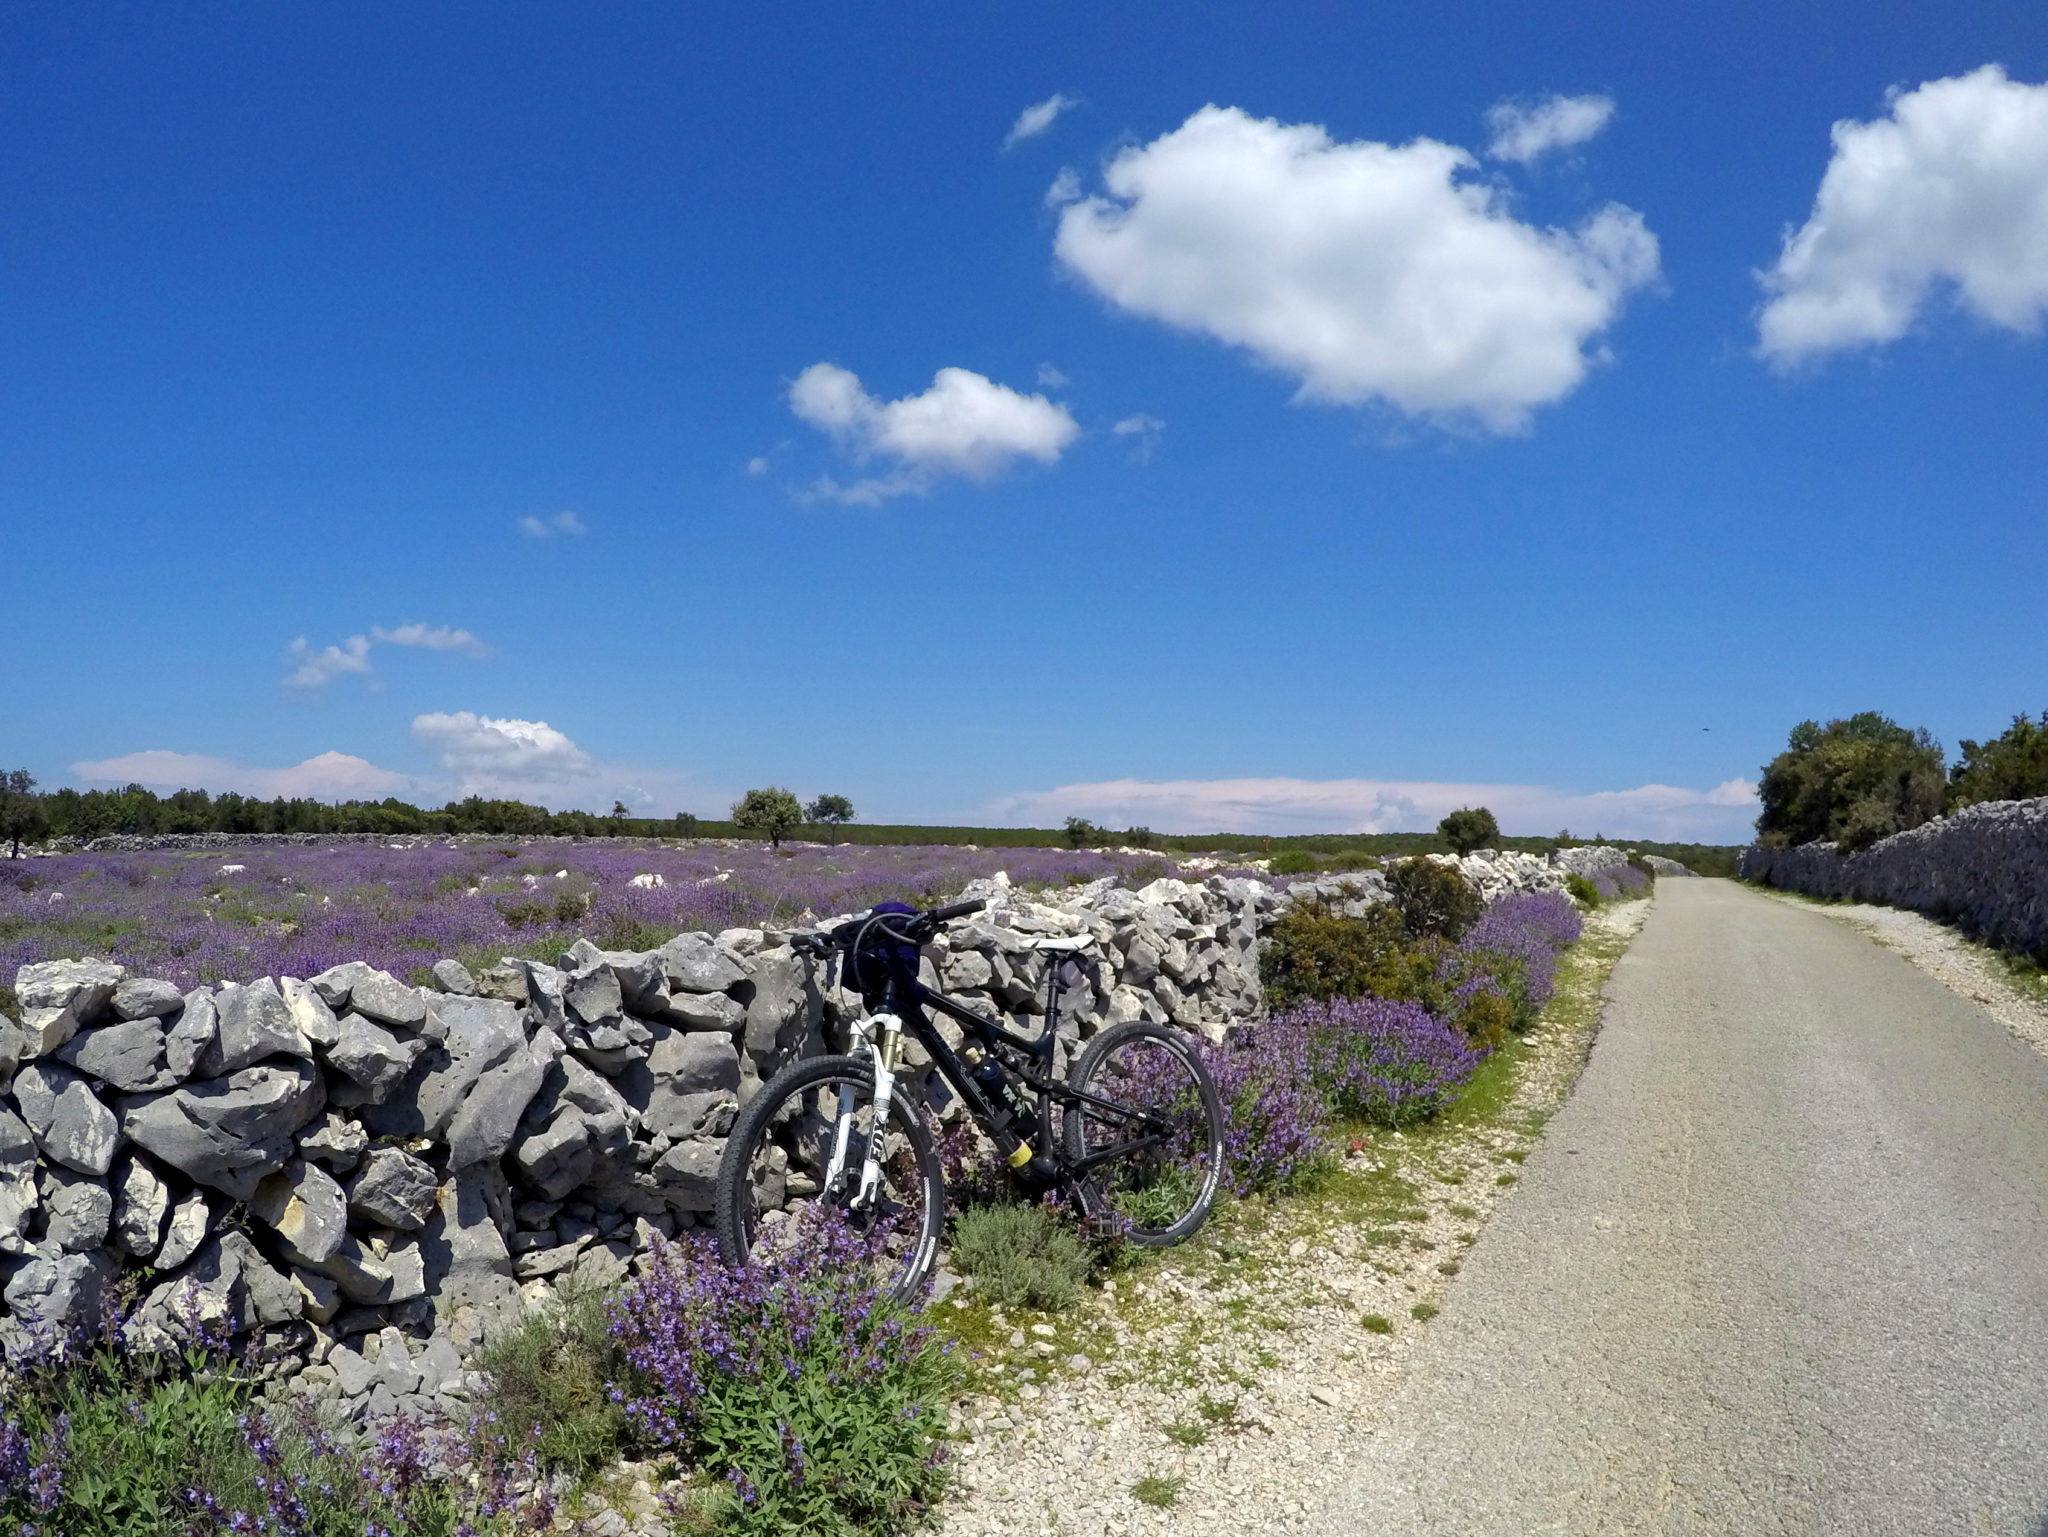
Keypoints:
(954, 910)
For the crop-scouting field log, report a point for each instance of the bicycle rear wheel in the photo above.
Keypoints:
(776, 1172)
(1150, 1132)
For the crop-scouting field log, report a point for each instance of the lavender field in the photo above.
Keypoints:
(237, 914)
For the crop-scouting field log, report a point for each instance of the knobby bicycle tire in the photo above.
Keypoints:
(1210, 1131)
(735, 1203)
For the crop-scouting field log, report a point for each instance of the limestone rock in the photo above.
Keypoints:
(70, 1124)
(228, 1132)
(127, 1055)
(387, 1000)
(688, 1173)
(393, 1189)
(79, 1210)
(19, 1196)
(373, 1057)
(467, 1263)
(58, 997)
(56, 1291)
(305, 1205)
(254, 1024)
(453, 977)
(593, 995)
(693, 964)
(687, 1078)
(190, 1221)
(335, 1143)
(146, 998)
(309, 1011)
(142, 1203)
(576, 1120)
(191, 1033)
(704, 1011)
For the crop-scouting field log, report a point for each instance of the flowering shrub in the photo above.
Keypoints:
(818, 1402)
(1374, 1059)
(1275, 1122)
(108, 1439)
(1520, 938)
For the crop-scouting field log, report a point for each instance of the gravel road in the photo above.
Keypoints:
(1779, 1266)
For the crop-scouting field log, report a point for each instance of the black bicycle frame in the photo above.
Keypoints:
(907, 998)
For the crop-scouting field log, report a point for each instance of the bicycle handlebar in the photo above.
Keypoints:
(821, 942)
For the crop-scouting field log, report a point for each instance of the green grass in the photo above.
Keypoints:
(1423, 1312)
(1188, 1433)
(1158, 1489)
(552, 1371)
(1376, 1323)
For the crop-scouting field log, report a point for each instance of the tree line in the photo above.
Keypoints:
(1865, 777)
(28, 815)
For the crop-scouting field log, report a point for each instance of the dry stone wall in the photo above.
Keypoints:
(1985, 869)
(374, 1173)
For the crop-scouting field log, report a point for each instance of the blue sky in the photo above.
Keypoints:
(527, 356)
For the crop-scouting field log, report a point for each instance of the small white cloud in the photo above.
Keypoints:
(1525, 131)
(1653, 812)
(1948, 191)
(548, 527)
(1050, 378)
(433, 638)
(757, 465)
(316, 669)
(1370, 272)
(964, 425)
(1144, 430)
(1036, 118)
(491, 753)
(327, 776)
(1065, 188)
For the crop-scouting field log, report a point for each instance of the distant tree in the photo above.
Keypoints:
(1141, 838)
(686, 824)
(1852, 782)
(772, 813)
(829, 808)
(1081, 833)
(2010, 767)
(21, 809)
(615, 821)
(1469, 828)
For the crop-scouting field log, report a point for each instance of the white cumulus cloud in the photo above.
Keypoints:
(1722, 814)
(556, 523)
(1370, 272)
(964, 425)
(1948, 191)
(327, 776)
(1525, 131)
(486, 753)
(1036, 118)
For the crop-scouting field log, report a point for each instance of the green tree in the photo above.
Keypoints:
(832, 809)
(1081, 833)
(1469, 828)
(1851, 782)
(2010, 767)
(686, 824)
(615, 822)
(774, 814)
(21, 810)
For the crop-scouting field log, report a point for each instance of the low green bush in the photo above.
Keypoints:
(1582, 891)
(1292, 862)
(1314, 953)
(1021, 1256)
(1434, 899)
(551, 1382)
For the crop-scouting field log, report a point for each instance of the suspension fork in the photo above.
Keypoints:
(881, 1041)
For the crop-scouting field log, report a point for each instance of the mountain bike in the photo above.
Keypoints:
(1131, 1140)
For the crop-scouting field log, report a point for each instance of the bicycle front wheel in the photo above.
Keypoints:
(1148, 1129)
(797, 1153)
